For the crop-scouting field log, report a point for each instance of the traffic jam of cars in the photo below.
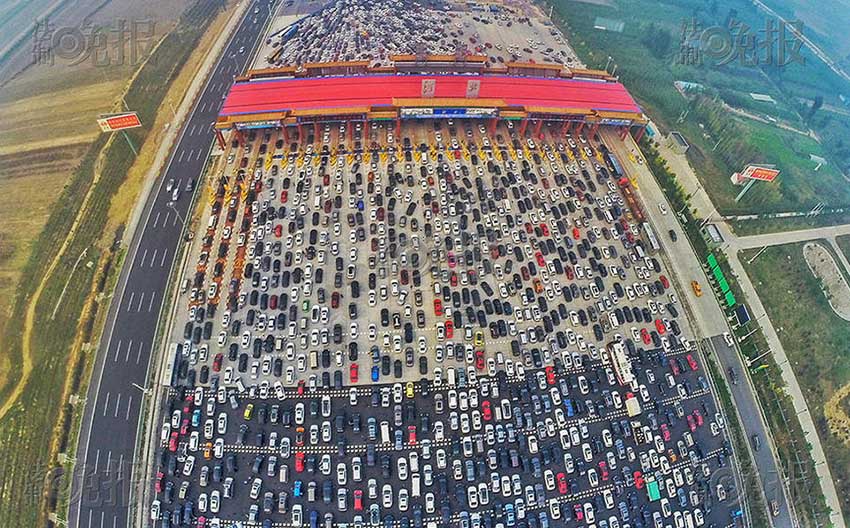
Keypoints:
(455, 327)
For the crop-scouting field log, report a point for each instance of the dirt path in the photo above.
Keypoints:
(29, 319)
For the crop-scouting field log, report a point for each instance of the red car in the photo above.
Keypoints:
(528, 228)
(639, 482)
(278, 230)
(358, 500)
(453, 279)
(486, 411)
(217, 362)
(698, 417)
(335, 300)
(659, 325)
(283, 196)
(692, 362)
(692, 425)
(452, 260)
(353, 373)
(664, 281)
(300, 388)
(578, 513)
(603, 470)
(479, 359)
(299, 462)
(674, 367)
(550, 375)
(644, 335)
(158, 483)
(411, 434)
(540, 260)
(450, 329)
(665, 432)
(562, 483)
(576, 233)
(172, 442)
(438, 307)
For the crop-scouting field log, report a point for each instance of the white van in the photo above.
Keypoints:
(385, 432)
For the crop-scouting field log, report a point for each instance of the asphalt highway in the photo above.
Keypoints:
(106, 454)
(750, 413)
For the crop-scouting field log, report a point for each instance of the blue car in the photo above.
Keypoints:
(376, 373)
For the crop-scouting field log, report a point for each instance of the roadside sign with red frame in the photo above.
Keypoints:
(114, 122)
(754, 172)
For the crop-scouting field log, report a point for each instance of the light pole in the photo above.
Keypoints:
(145, 391)
(757, 255)
(708, 218)
(171, 206)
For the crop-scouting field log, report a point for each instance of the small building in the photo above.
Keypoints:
(677, 142)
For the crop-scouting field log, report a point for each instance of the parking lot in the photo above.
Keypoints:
(349, 30)
(484, 294)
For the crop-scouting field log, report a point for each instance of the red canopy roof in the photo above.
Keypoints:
(279, 95)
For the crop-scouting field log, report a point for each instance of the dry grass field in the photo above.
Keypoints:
(47, 123)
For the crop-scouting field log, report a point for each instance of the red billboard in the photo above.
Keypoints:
(113, 122)
(754, 172)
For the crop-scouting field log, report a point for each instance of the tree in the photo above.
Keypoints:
(816, 104)
(657, 40)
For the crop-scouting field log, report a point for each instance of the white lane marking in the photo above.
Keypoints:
(130, 302)
(153, 257)
(117, 404)
(176, 219)
(199, 155)
(102, 513)
(106, 404)
(165, 220)
(150, 304)
(182, 152)
(156, 219)
(144, 256)
(127, 415)
(90, 511)
(141, 300)
(139, 354)
(127, 356)
(117, 348)
(162, 260)
(96, 460)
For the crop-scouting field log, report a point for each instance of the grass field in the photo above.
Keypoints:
(649, 73)
(30, 441)
(815, 340)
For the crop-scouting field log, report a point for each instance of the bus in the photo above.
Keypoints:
(654, 246)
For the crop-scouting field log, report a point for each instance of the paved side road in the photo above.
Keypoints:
(106, 454)
(710, 318)
(650, 189)
(737, 243)
(757, 311)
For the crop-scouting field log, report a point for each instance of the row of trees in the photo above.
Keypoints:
(733, 147)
